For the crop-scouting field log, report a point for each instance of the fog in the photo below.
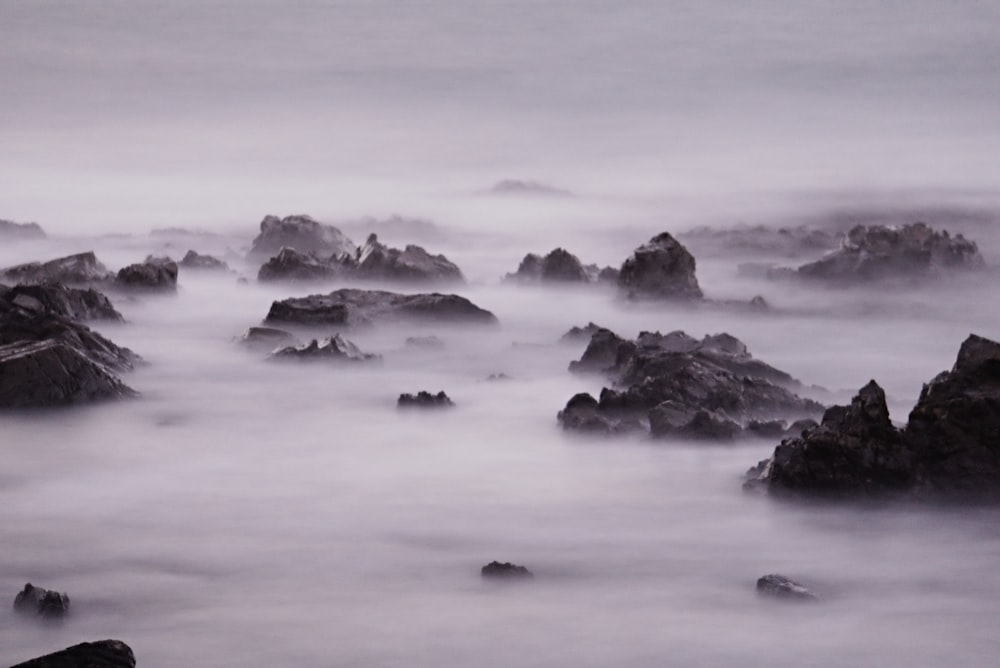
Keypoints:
(243, 512)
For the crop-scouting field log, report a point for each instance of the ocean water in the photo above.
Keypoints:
(247, 513)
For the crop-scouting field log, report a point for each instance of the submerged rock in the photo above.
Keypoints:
(300, 233)
(194, 260)
(291, 265)
(78, 269)
(73, 303)
(11, 231)
(100, 654)
(413, 264)
(42, 602)
(335, 348)
(662, 268)
(352, 307)
(505, 570)
(424, 399)
(778, 586)
(157, 274)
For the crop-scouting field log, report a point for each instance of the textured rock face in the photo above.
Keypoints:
(351, 307)
(82, 268)
(376, 261)
(154, 274)
(42, 602)
(681, 387)
(11, 231)
(778, 586)
(878, 252)
(660, 269)
(73, 303)
(559, 266)
(100, 654)
(951, 444)
(194, 260)
(424, 399)
(505, 570)
(291, 265)
(333, 349)
(300, 233)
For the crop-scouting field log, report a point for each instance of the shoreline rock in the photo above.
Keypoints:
(352, 307)
(99, 654)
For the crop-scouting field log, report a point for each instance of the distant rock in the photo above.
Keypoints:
(194, 260)
(301, 233)
(100, 654)
(660, 269)
(559, 266)
(73, 303)
(413, 264)
(778, 586)
(424, 342)
(79, 269)
(424, 399)
(266, 338)
(527, 188)
(11, 231)
(42, 602)
(291, 265)
(505, 570)
(760, 241)
(583, 413)
(580, 334)
(335, 349)
(155, 274)
(352, 307)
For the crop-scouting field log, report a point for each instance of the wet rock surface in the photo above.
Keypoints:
(78, 269)
(424, 399)
(780, 587)
(291, 265)
(300, 233)
(505, 570)
(662, 268)
(41, 602)
(11, 231)
(155, 274)
(195, 260)
(99, 654)
(354, 307)
(73, 303)
(334, 349)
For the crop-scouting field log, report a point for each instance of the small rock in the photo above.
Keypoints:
(335, 348)
(424, 399)
(155, 274)
(43, 602)
(194, 260)
(778, 586)
(505, 570)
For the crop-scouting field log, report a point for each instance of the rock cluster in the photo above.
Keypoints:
(291, 265)
(759, 240)
(560, 266)
(424, 399)
(335, 349)
(301, 233)
(41, 602)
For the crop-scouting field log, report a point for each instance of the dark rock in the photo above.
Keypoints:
(505, 570)
(778, 586)
(608, 275)
(11, 231)
(335, 348)
(583, 413)
(157, 274)
(82, 268)
(767, 428)
(300, 233)
(584, 333)
(424, 399)
(413, 264)
(660, 269)
(193, 260)
(602, 353)
(424, 342)
(559, 266)
(879, 252)
(351, 307)
(291, 265)
(43, 602)
(73, 303)
(675, 419)
(266, 337)
(100, 654)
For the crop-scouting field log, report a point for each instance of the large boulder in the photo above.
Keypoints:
(333, 349)
(195, 260)
(301, 233)
(34, 600)
(100, 654)
(880, 252)
(662, 268)
(11, 231)
(74, 303)
(351, 307)
(155, 274)
(413, 264)
(291, 265)
(78, 269)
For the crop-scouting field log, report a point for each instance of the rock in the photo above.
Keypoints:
(266, 337)
(424, 399)
(424, 342)
(73, 303)
(43, 602)
(608, 275)
(505, 570)
(778, 586)
(496, 377)
(681, 386)
(352, 307)
(154, 274)
(300, 233)
(100, 654)
(660, 269)
(11, 231)
(335, 348)
(527, 189)
(291, 265)
(193, 260)
(767, 428)
(584, 333)
(759, 241)
(82, 268)
(879, 252)
(559, 266)
(413, 264)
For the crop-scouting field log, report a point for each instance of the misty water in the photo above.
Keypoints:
(243, 512)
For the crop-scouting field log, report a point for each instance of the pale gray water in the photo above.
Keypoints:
(247, 514)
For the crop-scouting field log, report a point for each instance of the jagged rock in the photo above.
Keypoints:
(11, 231)
(879, 252)
(266, 337)
(608, 275)
(301, 233)
(424, 342)
(291, 265)
(81, 268)
(496, 569)
(154, 274)
(660, 269)
(376, 261)
(352, 307)
(73, 303)
(100, 654)
(681, 386)
(559, 266)
(778, 586)
(335, 348)
(584, 333)
(424, 399)
(42, 602)
(194, 260)
(759, 240)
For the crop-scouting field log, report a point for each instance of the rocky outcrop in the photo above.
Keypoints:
(424, 399)
(100, 654)
(578, 334)
(291, 265)
(79, 269)
(778, 586)
(41, 602)
(352, 307)
(505, 570)
(760, 241)
(269, 338)
(660, 269)
(950, 445)
(11, 231)
(300, 233)
(413, 264)
(155, 274)
(678, 386)
(333, 349)
(559, 266)
(73, 303)
(197, 261)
